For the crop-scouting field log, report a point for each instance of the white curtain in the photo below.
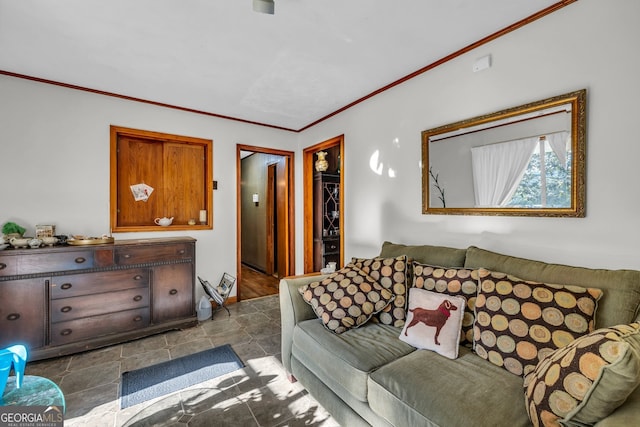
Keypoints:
(498, 170)
(558, 142)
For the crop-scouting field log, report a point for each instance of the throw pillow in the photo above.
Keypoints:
(582, 383)
(346, 299)
(451, 281)
(519, 322)
(391, 273)
(434, 322)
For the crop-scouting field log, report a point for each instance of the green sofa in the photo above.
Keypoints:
(367, 376)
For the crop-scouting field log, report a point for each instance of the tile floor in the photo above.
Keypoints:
(257, 395)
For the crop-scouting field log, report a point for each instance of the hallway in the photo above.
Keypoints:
(257, 284)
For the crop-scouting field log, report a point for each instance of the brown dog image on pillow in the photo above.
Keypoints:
(435, 318)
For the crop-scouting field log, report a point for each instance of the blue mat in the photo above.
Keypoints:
(167, 377)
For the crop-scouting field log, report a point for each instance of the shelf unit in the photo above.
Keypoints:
(326, 222)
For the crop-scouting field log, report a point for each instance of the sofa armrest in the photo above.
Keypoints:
(293, 309)
(627, 414)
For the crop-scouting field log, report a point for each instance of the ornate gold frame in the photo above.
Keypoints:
(577, 100)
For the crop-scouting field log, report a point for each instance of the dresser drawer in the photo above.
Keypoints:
(90, 283)
(97, 326)
(55, 261)
(93, 305)
(153, 253)
(8, 265)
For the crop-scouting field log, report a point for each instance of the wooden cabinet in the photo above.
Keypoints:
(172, 297)
(63, 300)
(326, 221)
(22, 312)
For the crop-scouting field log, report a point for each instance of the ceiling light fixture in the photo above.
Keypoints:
(264, 6)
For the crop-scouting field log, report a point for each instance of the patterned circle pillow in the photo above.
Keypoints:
(391, 273)
(346, 299)
(433, 322)
(519, 322)
(582, 383)
(451, 281)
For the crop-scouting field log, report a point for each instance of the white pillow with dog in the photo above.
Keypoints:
(434, 322)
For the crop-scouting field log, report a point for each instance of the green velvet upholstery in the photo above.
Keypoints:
(467, 391)
(375, 379)
(426, 254)
(353, 354)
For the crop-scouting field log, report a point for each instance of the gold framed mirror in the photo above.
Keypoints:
(522, 161)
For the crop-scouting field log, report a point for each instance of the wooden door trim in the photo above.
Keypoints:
(307, 182)
(291, 210)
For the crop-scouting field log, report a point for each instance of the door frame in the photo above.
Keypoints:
(307, 180)
(289, 230)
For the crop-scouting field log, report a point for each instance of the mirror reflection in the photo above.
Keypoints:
(527, 160)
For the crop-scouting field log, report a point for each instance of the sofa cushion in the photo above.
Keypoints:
(392, 274)
(519, 322)
(424, 388)
(620, 303)
(346, 299)
(426, 254)
(434, 322)
(350, 357)
(585, 381)
(451, 281)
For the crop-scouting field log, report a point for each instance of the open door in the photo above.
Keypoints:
(265, 226)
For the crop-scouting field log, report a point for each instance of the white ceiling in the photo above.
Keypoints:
(290, 69)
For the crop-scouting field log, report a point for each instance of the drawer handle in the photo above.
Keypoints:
(173, 291)
(137, 298)
(65, 332)
(3, 265)
(65, 309)
(137, 318)
(13, 316)
(66, 286)
(137, 277)
(181, 251)
(80, 260)
(126, 256)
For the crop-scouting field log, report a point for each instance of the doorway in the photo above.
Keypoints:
(265, 226)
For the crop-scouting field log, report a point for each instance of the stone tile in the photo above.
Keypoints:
(48, 368)
(190, 347)
(258, 395)
(99, 400)
(84, 379)
(232, 338)
(245, 320)
(186, 335)
(143, 345)
(269, 409)
(164, 411)
(142, 360)
(266, 328)
(270, 344)
(248, 351)
(94, 358)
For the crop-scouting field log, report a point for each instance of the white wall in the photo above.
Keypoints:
(54, 162)
(54, 148)
(589, 44)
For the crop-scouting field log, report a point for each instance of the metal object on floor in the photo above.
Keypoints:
(220, 294)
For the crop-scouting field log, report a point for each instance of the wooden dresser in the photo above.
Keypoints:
(66, 299)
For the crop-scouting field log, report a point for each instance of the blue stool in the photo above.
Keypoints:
(16, 357)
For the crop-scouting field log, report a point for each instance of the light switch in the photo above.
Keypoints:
(255, 198)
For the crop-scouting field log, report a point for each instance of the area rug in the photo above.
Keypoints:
(167, 377)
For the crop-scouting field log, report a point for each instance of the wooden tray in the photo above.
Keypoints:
(91, 241)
